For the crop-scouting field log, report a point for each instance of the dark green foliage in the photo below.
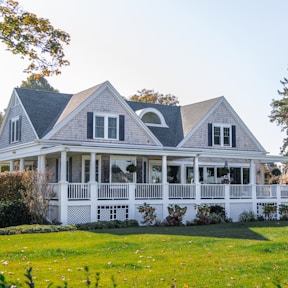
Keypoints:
(14, 213)
(107, 225)
(214, 214)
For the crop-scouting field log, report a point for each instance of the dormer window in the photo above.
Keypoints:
(152, 117)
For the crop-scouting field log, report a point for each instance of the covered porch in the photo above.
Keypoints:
(92, 184)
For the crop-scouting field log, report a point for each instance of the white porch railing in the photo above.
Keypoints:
(240, 191)
(284, 191)
(212, 191)
(148, 191)
(266, 191)
(113, 191)
(182, 191)
(79, 191)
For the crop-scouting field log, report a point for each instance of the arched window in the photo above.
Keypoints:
(152, 117)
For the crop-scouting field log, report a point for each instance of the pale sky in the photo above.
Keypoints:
(193, 49)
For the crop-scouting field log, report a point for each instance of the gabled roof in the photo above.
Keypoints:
(76, 100)
(43, 108)
(169, 136)
(193, 113)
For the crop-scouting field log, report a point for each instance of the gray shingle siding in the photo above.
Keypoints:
(27, 134)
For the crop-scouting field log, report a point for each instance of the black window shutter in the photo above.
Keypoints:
(209, 134)
(121, 127)
(90, 125)
(57, 170)
(233, 136)
(19, 128)
(70, 170)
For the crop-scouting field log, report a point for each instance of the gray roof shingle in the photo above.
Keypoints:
(43, 108)
(170, 136)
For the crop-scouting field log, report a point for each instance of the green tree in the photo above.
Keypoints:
(33, 82)
(150, 96)
(33, 38)
(279, 113)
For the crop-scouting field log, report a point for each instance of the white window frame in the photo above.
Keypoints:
(106, 128)
(222, 127)
(14, 130)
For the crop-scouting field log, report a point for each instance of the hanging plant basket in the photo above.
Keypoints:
(131, 168)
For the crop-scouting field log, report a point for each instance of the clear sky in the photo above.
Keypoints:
(193, 49)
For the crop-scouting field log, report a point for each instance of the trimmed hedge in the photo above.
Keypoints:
(14, 213)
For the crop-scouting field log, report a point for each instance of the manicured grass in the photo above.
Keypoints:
(236, 255)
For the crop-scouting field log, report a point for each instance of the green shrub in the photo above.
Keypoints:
(176, 214)
(14, 213)
(214, 214)
(247, 216)
(107, 225)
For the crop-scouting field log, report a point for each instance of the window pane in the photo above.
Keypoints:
(99, 127)
(119, 173)
(189, 175)
(217, 134)
(112, 128)
(151, 118)
(226, 136)
(173, 174)
(156, 174)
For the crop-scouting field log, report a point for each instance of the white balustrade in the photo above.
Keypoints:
(78, 191)
(117, 191)
(240, 191)
(182, 191)
(212, 191)
(148, 191)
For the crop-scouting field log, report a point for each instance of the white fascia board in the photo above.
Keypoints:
(20, 151)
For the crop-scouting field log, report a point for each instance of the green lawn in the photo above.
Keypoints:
(226, 255)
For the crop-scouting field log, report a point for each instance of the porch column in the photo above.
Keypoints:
(93, 187)
(164, 169)
(196, 179)
(63, 168)
(92, 167)
(63, 188)
(165, 187)
(11, 165)
(21, 164)
(41, 163)
(252, 172)
(253, 186)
